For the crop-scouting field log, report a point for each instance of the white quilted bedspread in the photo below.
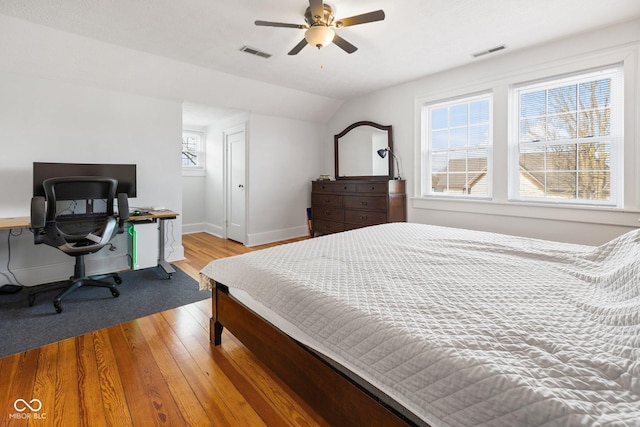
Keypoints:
(463, 327)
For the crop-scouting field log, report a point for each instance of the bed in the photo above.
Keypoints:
(412, 324)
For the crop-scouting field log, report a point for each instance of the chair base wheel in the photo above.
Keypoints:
(115, 292)
(58, 306)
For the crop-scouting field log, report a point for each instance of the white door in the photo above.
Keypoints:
(235, 144)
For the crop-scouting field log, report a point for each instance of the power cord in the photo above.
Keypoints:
(11, 288)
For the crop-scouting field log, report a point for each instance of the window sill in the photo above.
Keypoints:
(605, 215)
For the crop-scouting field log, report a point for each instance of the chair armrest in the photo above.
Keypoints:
(38, 212)
(123, 211)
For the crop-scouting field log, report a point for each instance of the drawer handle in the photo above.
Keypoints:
(327, 200)
(345, 187)
(327, 226)
(363, 217)
(372, 188)
(364, 203)
(327, 213)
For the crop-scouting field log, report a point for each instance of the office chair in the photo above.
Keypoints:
(79, 234)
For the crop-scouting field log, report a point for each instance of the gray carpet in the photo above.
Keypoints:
(142, 292)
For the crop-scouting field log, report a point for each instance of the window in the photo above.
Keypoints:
(192, 150)
(458, 140)
(569, 139)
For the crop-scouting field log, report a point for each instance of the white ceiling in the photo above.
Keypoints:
(417, 38)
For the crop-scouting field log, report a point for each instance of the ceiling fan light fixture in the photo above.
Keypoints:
(319, 36)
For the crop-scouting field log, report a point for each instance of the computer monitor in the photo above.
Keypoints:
(124, 173)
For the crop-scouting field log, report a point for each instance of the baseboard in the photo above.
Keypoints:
(203, 227)
(276, 235)
(255, 239)
(50, 273)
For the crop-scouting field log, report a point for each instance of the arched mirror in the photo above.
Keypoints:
(356, 151)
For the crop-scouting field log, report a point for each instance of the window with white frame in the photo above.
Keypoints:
(458, 139)
(567, 139)
(192, 150)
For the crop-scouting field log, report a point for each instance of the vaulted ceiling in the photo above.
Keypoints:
(417, 37)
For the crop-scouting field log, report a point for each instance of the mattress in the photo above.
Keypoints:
(462, 327)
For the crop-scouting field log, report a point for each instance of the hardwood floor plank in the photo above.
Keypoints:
(158, 370)
(242, 413)
(66, 410)
(44, 385)
(145, 389)
(111, 388)
(191, 409)
(91, 408)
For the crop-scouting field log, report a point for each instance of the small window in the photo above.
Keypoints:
(458, 141)
(568, 139)
(192, 150)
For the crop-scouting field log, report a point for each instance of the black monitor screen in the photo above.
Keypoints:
(125, 174)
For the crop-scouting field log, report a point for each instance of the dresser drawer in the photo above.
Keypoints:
(365, 202)
(328, 213)
(323, 226)
(333, 187)
(364, 218)
(372, 188)
(326, 199)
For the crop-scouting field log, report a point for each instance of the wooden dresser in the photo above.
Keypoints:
(347, 204)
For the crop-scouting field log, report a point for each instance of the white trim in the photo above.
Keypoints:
(500, 85)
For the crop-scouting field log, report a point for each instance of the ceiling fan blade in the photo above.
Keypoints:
(317, 9)
(280, 24)
(298, 47)
(377, 15)
(343, 44)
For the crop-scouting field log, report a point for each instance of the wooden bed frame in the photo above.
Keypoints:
(331, 394)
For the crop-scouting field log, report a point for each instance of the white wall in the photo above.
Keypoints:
(399, 106)
(50, 120)
(284, 157)
(62, 96)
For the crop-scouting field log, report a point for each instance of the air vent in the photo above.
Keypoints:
(488, 51)
(255, 52)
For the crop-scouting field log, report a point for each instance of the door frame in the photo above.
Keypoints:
(226, 180)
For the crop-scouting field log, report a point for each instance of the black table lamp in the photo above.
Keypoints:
(383, 153)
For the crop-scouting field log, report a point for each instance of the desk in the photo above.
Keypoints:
(159, 215)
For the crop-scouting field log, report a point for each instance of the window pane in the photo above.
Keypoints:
(478, 112)
(561, 158)
(439, 163)
(458, 137)
(459, 115)
(456, 126)
(440, 139)
(533, 104)
(562, 126)
(561, 100)
(594, 185)
(479, 135)
(595, 123)
(561, 185)
(533, 130)
(440, 118)
(549, 116)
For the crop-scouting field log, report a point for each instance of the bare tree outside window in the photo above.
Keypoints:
(566, 140)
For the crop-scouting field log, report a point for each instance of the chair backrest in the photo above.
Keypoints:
(85, 189)
(77, 213)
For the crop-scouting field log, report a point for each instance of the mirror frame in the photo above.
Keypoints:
(336, 140)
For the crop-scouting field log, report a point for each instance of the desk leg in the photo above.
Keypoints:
(162, 263)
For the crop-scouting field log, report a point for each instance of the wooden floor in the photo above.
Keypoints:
(157, 370)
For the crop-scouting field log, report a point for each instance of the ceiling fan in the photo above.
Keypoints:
(320, 26)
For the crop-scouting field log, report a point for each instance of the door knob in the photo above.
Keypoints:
(240, 186)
